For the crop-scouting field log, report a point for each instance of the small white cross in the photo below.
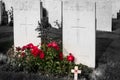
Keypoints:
(76, 72)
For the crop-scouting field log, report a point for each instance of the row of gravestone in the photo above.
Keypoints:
(3, 14)
(116, 22)
(6, 17)
(78, 18)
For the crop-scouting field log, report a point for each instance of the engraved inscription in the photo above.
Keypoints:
(25, 5)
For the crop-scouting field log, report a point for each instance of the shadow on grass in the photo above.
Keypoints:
(4, 46)
(101, 45)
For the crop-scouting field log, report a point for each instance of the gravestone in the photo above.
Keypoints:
(26, 17)
(0, 12)
(104, 15)
(53, 8)
(79, 31)
(115, 8)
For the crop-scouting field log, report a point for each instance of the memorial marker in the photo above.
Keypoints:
(26, 17)
(76, 72)
(79, 31)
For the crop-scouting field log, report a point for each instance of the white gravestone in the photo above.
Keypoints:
(0, 12)
(115, 8)
(26, 17)
(53, 8)
(76, 72)
(104, 15)
(79, 31)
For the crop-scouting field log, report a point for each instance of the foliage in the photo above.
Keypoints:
(45, 59)
(10, 13)
(49, 33)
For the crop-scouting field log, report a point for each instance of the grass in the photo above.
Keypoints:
(4, 46)
(101, 46)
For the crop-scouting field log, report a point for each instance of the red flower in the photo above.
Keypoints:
(35, 51)
(30, 45)
(42, 55)
(18, 48)
(22, 54)
(70, 57)
(61, 56)
(53, 45)
(24, 47)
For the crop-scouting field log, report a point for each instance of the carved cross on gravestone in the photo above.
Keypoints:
(76, 72)
(25, 22)
(77, 31)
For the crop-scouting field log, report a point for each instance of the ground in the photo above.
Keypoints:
(107, 53)
(6, 38)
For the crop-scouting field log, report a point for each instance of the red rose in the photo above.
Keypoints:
(24, 47)
(18, 48)
(42, 55)
(61, 56)
(53, 45)
(70, 57)
(22, 54)
(57, 48)
(49, 45)
(30, 45)
(35, 51)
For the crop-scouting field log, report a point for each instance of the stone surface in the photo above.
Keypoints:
(26, 17)
(79, 31)
(104, 15)
(0, 12)
(115, 8)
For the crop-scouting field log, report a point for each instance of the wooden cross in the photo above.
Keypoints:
(76, 72)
